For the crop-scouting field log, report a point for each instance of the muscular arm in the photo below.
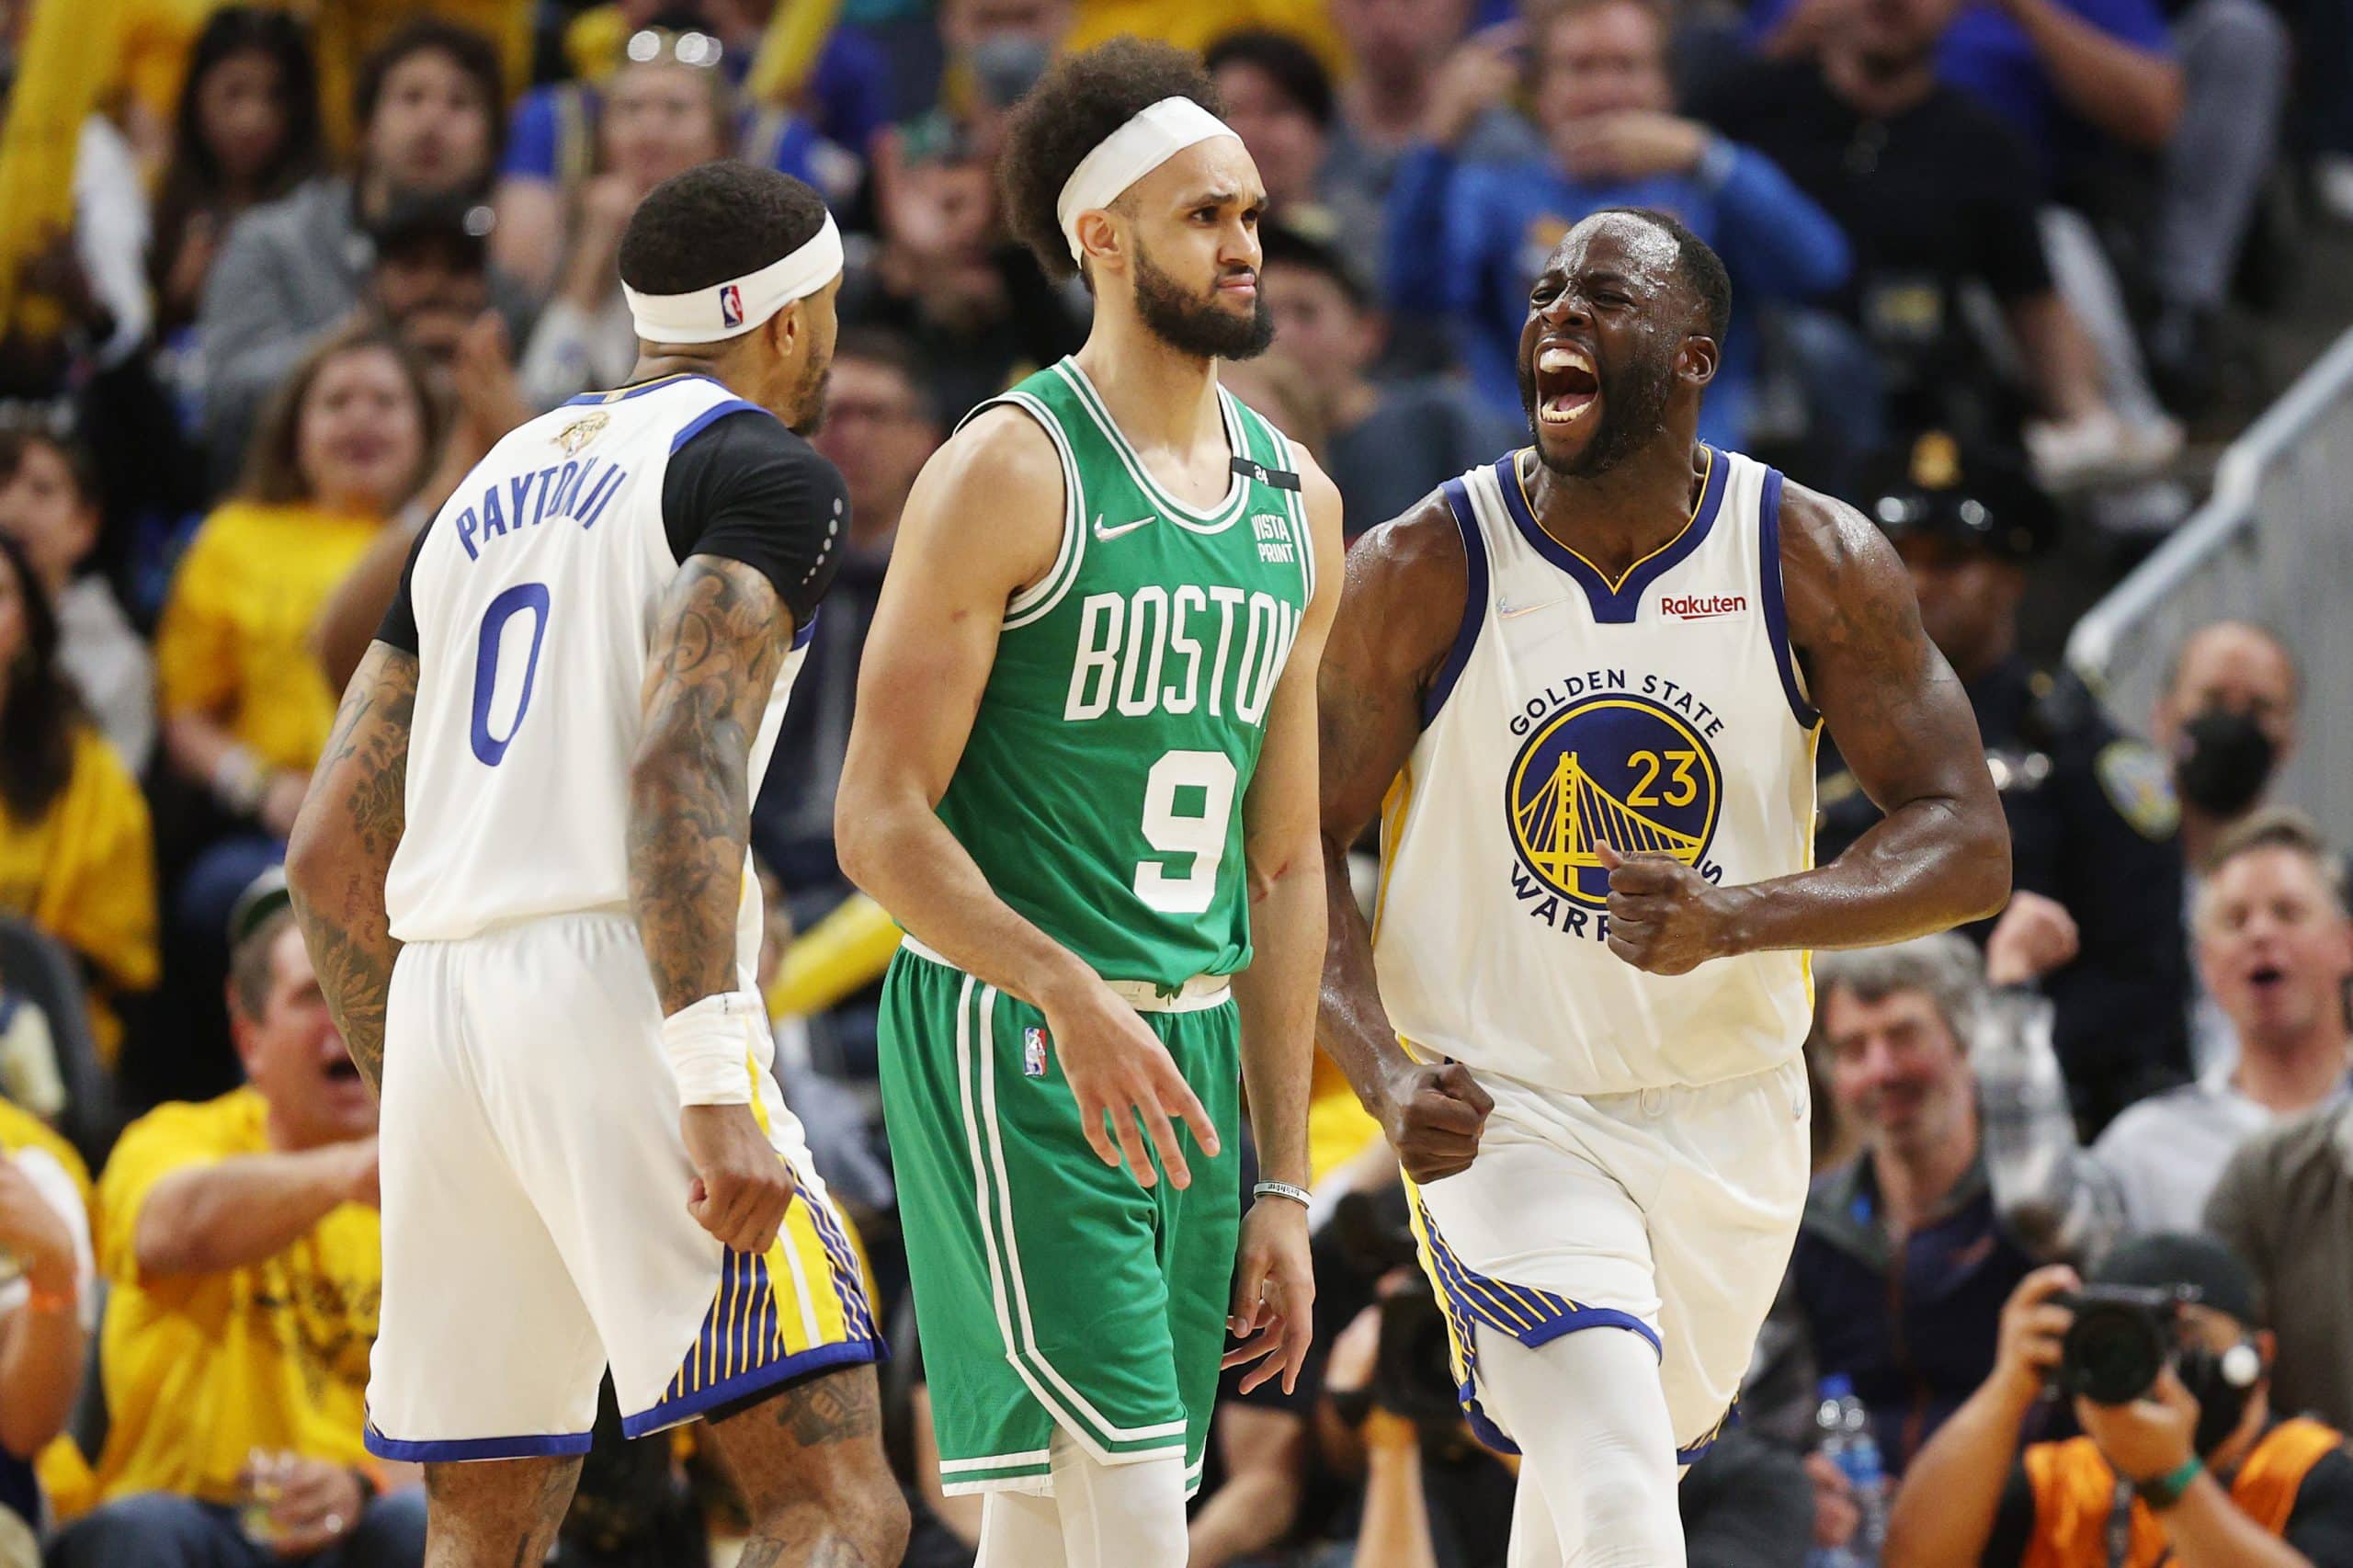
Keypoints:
(720, 636)
(210, 1218)
(1276, 994)
(342, 846)
(982, 521)
(1942, 855)
(1408, 581)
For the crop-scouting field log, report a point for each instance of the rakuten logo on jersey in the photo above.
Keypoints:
(1696, 608)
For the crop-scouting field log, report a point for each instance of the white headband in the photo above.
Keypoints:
(1156, 133)
(736, 307)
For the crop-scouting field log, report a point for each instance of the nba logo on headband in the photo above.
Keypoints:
(745, 302)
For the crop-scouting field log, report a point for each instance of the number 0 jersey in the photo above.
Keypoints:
(1101, 789)
(529, 602)
(1660, 712)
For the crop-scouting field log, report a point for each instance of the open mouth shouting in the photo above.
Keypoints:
(1567, 387)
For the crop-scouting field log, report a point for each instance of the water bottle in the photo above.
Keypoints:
(1846, 1441)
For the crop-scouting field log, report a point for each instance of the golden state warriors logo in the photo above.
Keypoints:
(1616, 769)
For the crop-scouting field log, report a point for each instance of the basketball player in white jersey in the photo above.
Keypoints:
(522, 874)
(1583, 686)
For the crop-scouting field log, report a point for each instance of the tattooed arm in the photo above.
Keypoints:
(1941, 857)
(1406, 585)
(720, 637)
(342, 846)
(720, 634)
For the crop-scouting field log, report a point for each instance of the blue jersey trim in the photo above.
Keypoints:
(686, 1407)
(1698, 1451)
(1531, 1316)
(623, 394)
(802, 634)
(710, 416)
(1614, 604)
(451, 1451)
(1474, 601)
(1776, 611)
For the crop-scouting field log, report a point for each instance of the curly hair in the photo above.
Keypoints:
(1080, 101)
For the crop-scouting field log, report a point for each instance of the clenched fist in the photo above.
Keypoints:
(1663, 917)
(1432, 1114)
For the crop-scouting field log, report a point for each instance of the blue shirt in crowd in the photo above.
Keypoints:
(551, 136)
(1987, 54)
(1468, 239)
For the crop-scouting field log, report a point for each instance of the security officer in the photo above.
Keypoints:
(2093, 825)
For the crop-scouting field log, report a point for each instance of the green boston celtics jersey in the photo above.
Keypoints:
(1101, 789)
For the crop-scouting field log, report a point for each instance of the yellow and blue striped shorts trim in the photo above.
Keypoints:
(800, 1307)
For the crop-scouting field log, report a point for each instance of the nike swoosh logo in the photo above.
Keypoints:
(1508, 612)
(1102, 532)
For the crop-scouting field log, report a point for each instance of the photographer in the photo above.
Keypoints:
(2183, 1463)
(1432, 1495)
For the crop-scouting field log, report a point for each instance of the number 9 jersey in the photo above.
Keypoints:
(1101, 788)
(529, 602)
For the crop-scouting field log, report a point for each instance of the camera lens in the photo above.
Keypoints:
(2112, 1352)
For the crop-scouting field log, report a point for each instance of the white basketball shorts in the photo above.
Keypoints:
(536, 1230)
(1669, 1213)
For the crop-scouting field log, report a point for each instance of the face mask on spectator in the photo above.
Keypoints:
(1006, 65)
(2225, 761)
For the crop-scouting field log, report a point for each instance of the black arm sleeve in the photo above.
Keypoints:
(2321, 1524)
(746, 488)
(2013, 1523)
(399, 625)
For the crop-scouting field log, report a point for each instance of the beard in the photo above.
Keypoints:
(808, 400)
(1634, 406)
(1196, 327)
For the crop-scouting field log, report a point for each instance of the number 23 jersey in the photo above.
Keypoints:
(530, 601)
(1660, 712)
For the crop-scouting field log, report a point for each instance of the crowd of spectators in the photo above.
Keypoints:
(273, 279)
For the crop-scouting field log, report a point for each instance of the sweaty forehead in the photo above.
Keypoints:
(1641, 252)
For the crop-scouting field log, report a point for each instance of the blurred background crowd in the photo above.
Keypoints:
(2009, 274)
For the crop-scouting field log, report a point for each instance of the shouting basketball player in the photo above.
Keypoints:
(1583, 686)
(538, 798)
(1083, 777)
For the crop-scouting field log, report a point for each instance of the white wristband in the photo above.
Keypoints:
(710, 1047)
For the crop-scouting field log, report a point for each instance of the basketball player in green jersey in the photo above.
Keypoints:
(1083, 778)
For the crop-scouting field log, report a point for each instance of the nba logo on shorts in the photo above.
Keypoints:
(731, 306)
(1033, 1052)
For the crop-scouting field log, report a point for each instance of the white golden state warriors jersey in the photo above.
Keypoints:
(534, 593)
(1660, 712)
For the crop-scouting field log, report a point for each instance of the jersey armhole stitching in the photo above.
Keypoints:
(1776, 613)
(1295, 508)
(1475, 599)
(1041, 596)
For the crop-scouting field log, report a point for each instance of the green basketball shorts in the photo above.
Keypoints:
(1050, 1288)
